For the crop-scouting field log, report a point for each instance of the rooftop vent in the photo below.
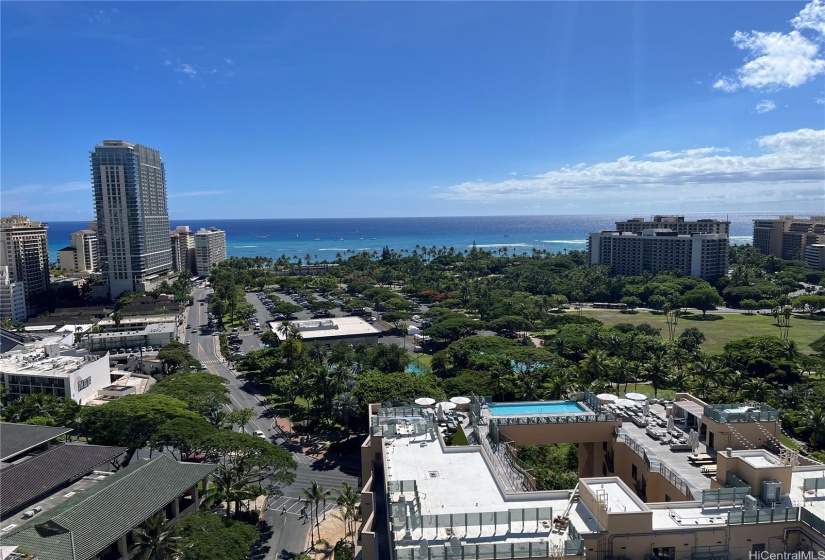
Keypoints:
(433, 474)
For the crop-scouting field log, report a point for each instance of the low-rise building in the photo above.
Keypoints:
(329, 331)
(26, 482)
(19, 439)
(183, 248)
(99, 521)
(54, 370)
(134, 336)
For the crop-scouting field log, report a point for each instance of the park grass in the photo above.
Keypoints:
(718, 332)
(644, 389)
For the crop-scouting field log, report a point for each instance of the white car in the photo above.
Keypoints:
(260, 434)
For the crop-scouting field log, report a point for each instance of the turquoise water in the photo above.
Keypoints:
(322, 239)
(535, 408)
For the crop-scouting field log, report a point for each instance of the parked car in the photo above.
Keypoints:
(260, 434)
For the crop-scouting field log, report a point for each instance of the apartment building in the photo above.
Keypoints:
(183, 248)
(657, 480)
(704, 255)
(210, 249)
(24, 249)
(675, 223)
(81, 253)
(787, 237)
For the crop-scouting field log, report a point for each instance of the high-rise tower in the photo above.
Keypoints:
(25, 251)
(132, 215)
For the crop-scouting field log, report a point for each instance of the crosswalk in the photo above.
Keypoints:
(286, 505)
(210, 361)
(330, 480)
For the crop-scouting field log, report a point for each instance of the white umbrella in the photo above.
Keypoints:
(460, 400)
(693, 439)
(439, 411)
(625, 402)
(607, 397)
(670, 423)
(446, 405)
(636, 397)
(425, 401)
(646, 408)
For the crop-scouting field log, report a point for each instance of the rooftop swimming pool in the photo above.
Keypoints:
(535, 408)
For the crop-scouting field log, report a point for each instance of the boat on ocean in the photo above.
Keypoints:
(317, 239)
(373, 238)
(341, 239)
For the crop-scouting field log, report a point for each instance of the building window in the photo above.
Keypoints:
(665, 553)
(634, 472)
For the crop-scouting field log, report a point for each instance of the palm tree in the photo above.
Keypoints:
(219, 418)
(344, 409)
(314, 495)
(117, 317)
(814, 420)
(348, 500)
(231, 487)
(154, 539)
(758, 389)
(596, 364)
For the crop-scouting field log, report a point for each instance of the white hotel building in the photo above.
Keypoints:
(50, 369)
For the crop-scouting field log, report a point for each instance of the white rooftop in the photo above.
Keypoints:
(329, 328)
(61, 363)
(759, 458)
(154, 328)
(459, 481)
(619, 497)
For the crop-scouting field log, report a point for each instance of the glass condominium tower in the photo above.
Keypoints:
(129, 184)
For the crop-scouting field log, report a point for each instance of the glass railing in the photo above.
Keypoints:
(737, 412)
(814, 521)
(777, 515)
(554, 419)
(499, 551)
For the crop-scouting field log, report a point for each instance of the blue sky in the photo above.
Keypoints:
(350, 109)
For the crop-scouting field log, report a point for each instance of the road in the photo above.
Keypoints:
(288, 531)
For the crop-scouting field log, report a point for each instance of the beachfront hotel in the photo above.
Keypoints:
(680, 479)
(210, 249)
(129, 184)
(697, 248)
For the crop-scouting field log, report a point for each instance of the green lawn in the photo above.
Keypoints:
(718, 332)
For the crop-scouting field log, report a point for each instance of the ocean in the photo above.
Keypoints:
(325, 238)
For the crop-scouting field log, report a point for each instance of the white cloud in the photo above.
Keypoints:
(196, 193)
(167, 63)
(777, 60)
(789, 167)
(765, 106)
(229, 61)
(820, 100)
(667, 154)
(812, 16)
(188, 69)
